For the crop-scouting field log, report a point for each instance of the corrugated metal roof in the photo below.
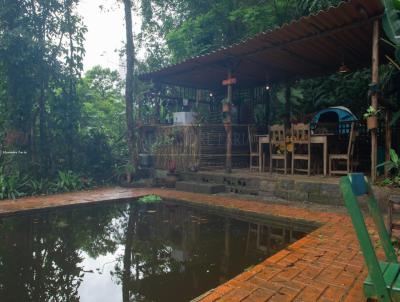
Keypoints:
(311, 46)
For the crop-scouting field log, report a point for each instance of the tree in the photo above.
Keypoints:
(40, 57)
(101, 145)
(178, 29)
(129, 88)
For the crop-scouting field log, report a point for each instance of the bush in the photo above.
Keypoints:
(66, 181)
(12, 186)
(393, 165)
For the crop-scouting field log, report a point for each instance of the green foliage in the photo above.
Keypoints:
(37, 187)
(11, 186)
(394, 163)
(390, 21)
(311, 95)
(189, 28)
(41, 49)
(66, 181)
(394, 167)
(150, 199)
(371, 111)
(119, 171)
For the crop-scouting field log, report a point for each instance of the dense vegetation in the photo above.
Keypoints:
(58, 129)
(63, 130)
(191, 28)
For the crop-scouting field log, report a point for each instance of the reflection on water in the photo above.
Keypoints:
(128, 252)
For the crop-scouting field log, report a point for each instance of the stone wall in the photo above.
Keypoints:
(316, 190)
(300, 190)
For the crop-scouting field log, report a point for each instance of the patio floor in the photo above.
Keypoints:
(326, 265)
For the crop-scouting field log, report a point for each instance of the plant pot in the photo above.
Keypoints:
(372, 122)
(226, 107)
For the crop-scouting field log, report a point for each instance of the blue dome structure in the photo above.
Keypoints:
(344, 114)
(333, 120)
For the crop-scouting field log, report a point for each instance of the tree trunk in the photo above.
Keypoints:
(42, 127)
(129, 86)
(374, 96)
(44, 149)
(71, 94)
(127, 260)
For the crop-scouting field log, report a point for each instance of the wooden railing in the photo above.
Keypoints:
(194, 146)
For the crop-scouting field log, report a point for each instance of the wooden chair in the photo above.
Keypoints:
(301, 140)
(383, 281)
(346, 157)
(277, 147)
(253, 144)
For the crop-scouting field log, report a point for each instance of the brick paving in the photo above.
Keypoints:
(325, 265)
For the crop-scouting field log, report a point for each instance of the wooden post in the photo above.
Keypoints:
(228, 127)
(267, 108)
(374, 96)
(388, 140)
(288, 106)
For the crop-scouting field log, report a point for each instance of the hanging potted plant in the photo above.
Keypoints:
(226, 105)
(371, 115)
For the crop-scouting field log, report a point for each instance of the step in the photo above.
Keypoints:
(198, 187)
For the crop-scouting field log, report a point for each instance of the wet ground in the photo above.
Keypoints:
(130, 251)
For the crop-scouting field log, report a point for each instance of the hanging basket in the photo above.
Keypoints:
(372, 122)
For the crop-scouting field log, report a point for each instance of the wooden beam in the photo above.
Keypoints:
(374, 96)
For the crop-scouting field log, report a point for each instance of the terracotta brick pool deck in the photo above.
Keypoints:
(325, 265)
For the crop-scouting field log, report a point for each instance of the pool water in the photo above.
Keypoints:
(131, 251)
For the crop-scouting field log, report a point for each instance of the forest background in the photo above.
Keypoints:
(62, 129)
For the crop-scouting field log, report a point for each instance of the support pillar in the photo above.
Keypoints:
(288, 106)
(388, 140)
(228, 126)
(374, 96)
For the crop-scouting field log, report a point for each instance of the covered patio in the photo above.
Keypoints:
(342, 38)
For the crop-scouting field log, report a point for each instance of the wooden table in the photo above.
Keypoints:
(323, 140)
(315, 139)
(262, 139)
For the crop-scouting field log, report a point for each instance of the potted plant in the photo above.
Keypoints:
(226, 105)
(371, 115)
